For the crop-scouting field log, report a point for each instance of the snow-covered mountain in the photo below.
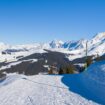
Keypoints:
(74, 45)
(3, 46)
(56, 44)
(95, 46)
(100, 37)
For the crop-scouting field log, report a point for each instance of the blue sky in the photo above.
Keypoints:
(28, 21)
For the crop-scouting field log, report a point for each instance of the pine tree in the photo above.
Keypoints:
(70, 69)
(89, 61)
(98, 58)
(61, 71)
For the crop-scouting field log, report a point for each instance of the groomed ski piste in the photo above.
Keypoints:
(87, 88)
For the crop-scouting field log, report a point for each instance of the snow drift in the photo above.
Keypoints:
(90, 84)
(94, 80)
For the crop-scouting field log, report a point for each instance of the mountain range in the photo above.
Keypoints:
(96, 45)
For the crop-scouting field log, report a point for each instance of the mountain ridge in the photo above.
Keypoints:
(95, 46)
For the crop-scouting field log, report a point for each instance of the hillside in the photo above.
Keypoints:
(86, 88)
(38, 90)
(35, 63)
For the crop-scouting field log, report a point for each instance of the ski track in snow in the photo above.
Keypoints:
(38, 90)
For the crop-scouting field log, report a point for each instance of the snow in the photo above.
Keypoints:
(80, 64)
(46, 66)
(9, 65)
(72, 57)
(94, 80)
(18, 62)
(98, 37)
(34, 60)
(7, 58)
(77, 49)
(38, 90)
(96, 45)
(75, 45)
(87, 88)
(56, 44)
(13, 56)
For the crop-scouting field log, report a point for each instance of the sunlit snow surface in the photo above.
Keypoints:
(38, 90)
(55, 89)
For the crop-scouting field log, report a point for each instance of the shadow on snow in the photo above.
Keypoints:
(75, 84)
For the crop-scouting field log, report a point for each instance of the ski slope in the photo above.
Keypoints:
(38, 90)
(87, 88)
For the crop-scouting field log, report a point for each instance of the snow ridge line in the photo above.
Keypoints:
(45, 84)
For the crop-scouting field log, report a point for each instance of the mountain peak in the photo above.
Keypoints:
(99, 36)
(73, 45)
(56, 43)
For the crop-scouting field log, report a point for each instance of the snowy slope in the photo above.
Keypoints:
(87, 88)
(56, 44)
(75, 45)
(97, 44)
(38, 90)
(100, 37)
(16, 63)
(94, 81)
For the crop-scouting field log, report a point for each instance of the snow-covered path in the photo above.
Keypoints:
(38, 90)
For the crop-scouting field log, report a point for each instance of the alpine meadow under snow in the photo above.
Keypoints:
(86, 88)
